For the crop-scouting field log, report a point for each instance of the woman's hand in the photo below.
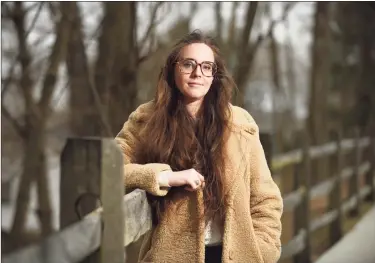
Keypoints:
(191, 178)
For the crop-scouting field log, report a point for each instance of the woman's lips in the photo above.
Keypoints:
(194, 84)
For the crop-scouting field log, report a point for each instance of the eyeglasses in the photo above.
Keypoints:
(188, 66)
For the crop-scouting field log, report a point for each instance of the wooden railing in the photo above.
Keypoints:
(299, 200)
(97, 220)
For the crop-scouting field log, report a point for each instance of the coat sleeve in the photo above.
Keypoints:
(142, 176)
(266, 205)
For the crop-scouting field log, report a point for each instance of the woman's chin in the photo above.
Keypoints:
(195, 95)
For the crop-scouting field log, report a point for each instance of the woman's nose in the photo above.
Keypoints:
(197, 72)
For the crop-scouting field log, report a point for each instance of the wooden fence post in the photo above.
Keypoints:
(355, 179)
(92, 175)
(302, 212)
(336, 195)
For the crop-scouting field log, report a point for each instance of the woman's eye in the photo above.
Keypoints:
(207, 67)
(188, 64)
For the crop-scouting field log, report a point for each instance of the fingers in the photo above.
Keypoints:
(195, 181)
(201, 177)
(188, 188)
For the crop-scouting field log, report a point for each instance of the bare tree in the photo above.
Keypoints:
(245, 52)
(365, 91)
(247, 49)
(119, 60)
(36, 115)
(85, 118)
(320, 74)
(219, 22)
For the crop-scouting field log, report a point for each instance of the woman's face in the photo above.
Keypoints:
(189, 78)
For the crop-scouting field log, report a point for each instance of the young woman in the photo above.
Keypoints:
(200, 161)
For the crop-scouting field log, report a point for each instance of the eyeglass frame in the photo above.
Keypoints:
(200, 65)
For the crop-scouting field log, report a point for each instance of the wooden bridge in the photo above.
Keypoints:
(97, 219)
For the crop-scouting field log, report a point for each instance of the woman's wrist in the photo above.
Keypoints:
(163, 178)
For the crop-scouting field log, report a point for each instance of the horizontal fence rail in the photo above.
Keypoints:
(295, 156)
(297, 244)
(75, 242)
(294, 198)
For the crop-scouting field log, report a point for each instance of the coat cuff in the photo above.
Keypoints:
(146, 177)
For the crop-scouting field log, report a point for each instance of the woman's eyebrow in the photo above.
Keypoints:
(197, 61)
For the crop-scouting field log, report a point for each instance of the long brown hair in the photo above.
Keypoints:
(182, 142)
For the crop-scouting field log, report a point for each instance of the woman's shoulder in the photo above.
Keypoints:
(242, 119)
(142, 112)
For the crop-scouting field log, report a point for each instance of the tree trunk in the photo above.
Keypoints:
(245, 54)
(320, 75)
(34, 169)
(219, 22)
(320, 85)
(291, 74)
(123, 92)
(365, 89)
(35, 123)
(84, 117)
(116, 67)
(230, 44)
(277, 115)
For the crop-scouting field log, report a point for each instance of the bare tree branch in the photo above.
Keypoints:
(24, 57)
(6, 82)
(18, 57)
(151, 25)
(152, 36)
(57, 55)
(250, 50)
(250, 16)
(16, 126)
(244, 63)
(35, 18)
(287, 8)
(273, 23)
(31, 7)
(54, 11)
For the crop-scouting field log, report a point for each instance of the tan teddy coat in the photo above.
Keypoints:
(252, 224)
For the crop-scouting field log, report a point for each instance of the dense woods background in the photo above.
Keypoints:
(79, 69)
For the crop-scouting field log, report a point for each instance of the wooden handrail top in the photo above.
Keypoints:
(295, 156)
(294, 198)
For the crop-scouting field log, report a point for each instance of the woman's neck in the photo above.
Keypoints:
(193, 107)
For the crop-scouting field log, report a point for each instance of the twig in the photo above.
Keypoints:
(252, 49)
(152, 24)
(282, 19)
(151, 51)
(35, 18)
(31, 7)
